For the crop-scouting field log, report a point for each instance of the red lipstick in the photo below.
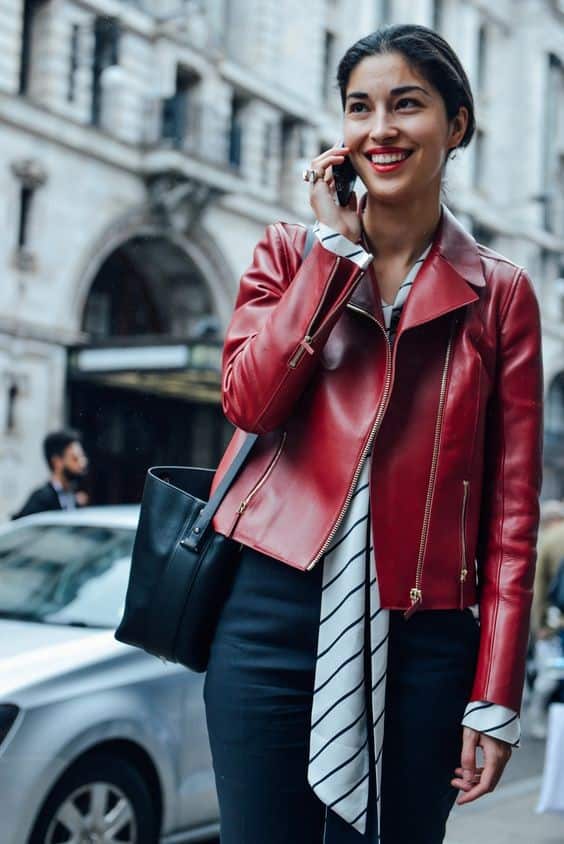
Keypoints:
(387, 167)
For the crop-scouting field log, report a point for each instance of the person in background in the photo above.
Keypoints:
(550, 553)
(546, 626)
(68, 464)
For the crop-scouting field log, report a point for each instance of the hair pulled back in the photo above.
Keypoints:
(428, 54)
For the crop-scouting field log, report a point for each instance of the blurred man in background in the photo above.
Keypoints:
(68, 465)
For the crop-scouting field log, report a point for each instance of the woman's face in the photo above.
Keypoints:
(391, 110)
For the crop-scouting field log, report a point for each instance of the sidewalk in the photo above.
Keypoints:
(506, 817)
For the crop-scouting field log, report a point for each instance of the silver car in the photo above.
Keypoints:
(99, 742)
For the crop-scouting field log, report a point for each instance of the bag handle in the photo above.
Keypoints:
(200, 526)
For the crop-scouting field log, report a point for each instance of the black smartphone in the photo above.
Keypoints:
(345, 177)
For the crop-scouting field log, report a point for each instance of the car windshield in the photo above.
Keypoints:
(65, 574)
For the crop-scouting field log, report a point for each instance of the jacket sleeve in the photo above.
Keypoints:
(510, 500)
(283, 315)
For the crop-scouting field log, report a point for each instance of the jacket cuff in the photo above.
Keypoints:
(494, 720)
(340, 245)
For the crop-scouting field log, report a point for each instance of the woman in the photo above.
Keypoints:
(394, 377)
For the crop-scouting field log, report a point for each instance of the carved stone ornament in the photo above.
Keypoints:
(30, 172)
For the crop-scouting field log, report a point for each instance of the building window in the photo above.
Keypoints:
(106, 54)
(31, 176)
(25, 62)
(30, 11)
(292, 149)
(179, 119)
(73, 63)
(328, 65)
(482, 58)
(11, 399)
(26, 195)
(267, 152)
(236, 132)
(553, 140)
(555, 408)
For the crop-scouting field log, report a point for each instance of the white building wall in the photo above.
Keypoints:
(271, 54)
(80, 199)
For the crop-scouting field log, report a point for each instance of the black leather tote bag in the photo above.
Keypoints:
(181, 568)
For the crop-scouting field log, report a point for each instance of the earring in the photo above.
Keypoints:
(452, 153)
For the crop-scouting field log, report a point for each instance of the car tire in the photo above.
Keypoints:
(104, 779)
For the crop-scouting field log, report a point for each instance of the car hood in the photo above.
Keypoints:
(32, 654)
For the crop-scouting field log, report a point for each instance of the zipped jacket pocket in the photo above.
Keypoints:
(305, 345)
(463, 550)
(265, 475)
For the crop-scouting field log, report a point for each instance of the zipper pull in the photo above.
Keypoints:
(242, 507)
(303, 346)
(463, 575)
(416, 597)
(306, 344)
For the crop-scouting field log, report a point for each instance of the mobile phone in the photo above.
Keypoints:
(345, 177)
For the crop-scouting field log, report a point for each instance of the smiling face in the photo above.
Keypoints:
(396, 126)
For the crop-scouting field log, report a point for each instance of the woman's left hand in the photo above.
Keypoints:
(474, 782)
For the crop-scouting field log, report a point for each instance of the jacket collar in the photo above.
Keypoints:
(445, 282)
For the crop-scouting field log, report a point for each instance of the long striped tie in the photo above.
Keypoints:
(343, 698)
(339, 761)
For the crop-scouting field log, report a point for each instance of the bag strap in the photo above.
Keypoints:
(200, 526)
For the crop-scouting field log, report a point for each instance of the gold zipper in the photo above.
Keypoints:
(266, 474)
(464, 568)
(373, 432)
(415, 593)
(305, 344)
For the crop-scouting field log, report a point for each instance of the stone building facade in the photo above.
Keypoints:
(145, 144)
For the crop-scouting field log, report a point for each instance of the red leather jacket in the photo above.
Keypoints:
(453, 412)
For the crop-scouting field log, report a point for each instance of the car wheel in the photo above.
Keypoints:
(101, 799)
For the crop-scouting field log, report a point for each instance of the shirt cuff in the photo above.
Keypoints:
(494, 720)
(339, 244)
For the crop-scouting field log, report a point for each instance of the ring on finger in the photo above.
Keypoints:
(312, 175)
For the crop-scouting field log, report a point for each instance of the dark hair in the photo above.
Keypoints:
(427, 53)
(55, 444)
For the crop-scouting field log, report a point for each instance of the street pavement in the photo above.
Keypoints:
(508, 815)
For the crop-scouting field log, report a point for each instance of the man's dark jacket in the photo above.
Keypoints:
(41, 499)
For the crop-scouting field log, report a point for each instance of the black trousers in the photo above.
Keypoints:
(258, 694)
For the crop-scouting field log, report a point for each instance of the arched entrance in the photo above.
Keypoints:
(144, 389)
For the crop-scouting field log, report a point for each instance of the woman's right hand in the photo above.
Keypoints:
(322, 196)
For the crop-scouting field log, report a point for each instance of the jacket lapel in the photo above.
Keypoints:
(445, 282)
